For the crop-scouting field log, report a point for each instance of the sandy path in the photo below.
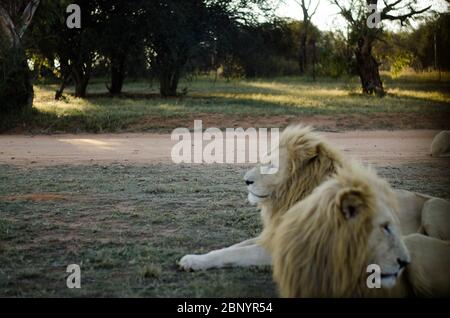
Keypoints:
(377, 147)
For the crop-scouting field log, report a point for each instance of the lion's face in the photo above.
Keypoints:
(262, 185)
(385, 242)
(304, 160)
(364, 198)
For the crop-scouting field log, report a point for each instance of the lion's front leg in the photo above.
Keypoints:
(234, 256)
(248, 242)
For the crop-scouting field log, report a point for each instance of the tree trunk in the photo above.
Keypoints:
(16, 88)
(117, 74)
(314, 57)
(81, 78)
(60, 91)
(302, 53)
(169, 83)
(368, 68)
(81, 88)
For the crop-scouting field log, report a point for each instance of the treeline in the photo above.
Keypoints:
(165, 40)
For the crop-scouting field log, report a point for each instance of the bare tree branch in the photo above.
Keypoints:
(315, 9)
(27, 16)
(403, 17)
(390, 6)
(346, 13)
(387, 15)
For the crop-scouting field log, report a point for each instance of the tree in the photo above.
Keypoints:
(363, 36)
(16, 89)
(175, 28)
(74, 49)
(431, 36)
(120, 27)
(307, 13)
(178, 29)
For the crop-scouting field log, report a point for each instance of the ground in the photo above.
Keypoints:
(128, 223)
(378, 147)
(116, 205)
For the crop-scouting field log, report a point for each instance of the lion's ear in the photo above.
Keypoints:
(352, 203)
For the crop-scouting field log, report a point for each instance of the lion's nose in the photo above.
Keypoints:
(402, 263)
(249, 182)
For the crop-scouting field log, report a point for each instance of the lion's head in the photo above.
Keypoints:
(324, 244)
(305, 161)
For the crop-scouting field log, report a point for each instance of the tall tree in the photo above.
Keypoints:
(74, 49)
(431, 36)
(363, 35)
(307, 12)
(178, 29)
(121, 36)
(16, 89)
(174, 31)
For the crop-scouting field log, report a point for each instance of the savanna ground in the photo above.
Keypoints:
(128, 224)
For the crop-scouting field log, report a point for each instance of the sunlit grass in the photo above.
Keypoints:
(259, 97)
(431, 96)
(411, 76)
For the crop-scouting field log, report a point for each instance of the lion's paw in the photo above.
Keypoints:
(193, 263)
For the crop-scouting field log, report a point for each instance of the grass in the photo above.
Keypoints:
(140, 109)
(126, 226)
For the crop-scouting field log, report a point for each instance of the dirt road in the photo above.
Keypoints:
(377, 147)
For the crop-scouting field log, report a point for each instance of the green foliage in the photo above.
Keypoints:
(168, 40)
(174, 31)
(421, 42)
(400, 62)
(335, 57)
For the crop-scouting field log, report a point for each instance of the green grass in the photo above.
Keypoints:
(141, 109)
(126, 226)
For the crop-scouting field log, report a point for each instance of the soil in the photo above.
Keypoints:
(379, 147)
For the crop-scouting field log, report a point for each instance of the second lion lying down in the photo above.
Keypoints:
(325, 243)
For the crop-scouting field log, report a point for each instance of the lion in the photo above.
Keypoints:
(305, 161)
(441, 144)
(324, 245)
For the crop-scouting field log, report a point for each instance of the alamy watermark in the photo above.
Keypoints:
(234, 145)
(74, 279)
(374, 279)
(73, 20)
(374, 18)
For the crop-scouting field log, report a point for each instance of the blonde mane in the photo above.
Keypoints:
(316, 251)
(310, 161)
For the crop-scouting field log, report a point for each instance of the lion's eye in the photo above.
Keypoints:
(269, 169)
(387, 228)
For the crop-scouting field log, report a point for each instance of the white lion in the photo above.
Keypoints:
(441, 144)
(325, 243)
(306, 161)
